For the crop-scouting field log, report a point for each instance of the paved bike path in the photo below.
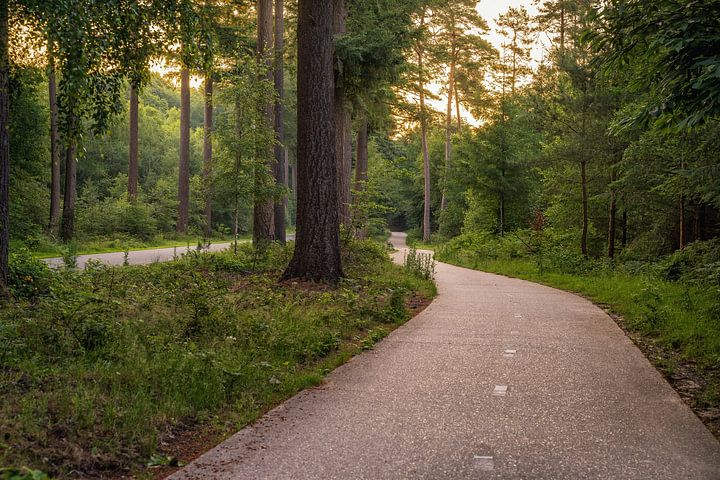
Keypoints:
(497, 379)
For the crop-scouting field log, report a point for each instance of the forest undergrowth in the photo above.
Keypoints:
(99, 369)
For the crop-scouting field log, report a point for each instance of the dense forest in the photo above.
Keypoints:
(575, 122)
(582, 141)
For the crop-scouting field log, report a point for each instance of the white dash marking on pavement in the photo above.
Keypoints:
(509, 353)
(517, 315)
(514, 332)
(483, 462)
(500, 391)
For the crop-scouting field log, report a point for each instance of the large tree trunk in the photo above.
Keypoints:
(207, 154)
(624, 238)
(317, 247)
(264, 208)
(361, 176)
(54, 223)
(583, 181)
(133, 164)
(342, 123)
(448, 131)
(280, 161)
(67, 229)
(4, 148)
(184, 170)
(612, 216)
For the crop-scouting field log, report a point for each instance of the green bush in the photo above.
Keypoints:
(28, 277)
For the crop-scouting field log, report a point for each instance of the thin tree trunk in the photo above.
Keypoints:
(361, 166)
(612, 216)
(54, 223)
(280, 163)
(4, 148)
(683, 238)
(342, 123)
(457, 108)
(448, 132)
(184, 170)
(425, 152)
(624, 227)
(133, 164)
(502, 215)
(264, 206)
(317, 247)
(583, 180)
(67, 229)
(207, 154)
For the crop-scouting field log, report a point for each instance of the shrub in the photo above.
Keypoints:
(28, 276)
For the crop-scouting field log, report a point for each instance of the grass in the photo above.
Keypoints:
(46, 248)
(98, 368)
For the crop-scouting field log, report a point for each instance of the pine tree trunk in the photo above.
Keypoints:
(342, 123)
(317, 245)
(457, 108)
(133, 164)
(502, 215)
(4, 148)
(426, 157)
(264, 206)
(184, 170)
(583, 180)
(683, 238)
(624, 227)
(361, 166)
(280, 161)
(54, 223)
(612, 216)
(448, 133)
(67, 228)
(207, 154)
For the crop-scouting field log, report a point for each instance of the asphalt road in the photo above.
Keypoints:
(142, 257)
(498, 379)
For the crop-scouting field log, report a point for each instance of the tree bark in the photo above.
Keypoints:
(683, 237)
(342, 123)
(317, 247)
(448, 130)
(457, 108)
(184, 170)
(67, 229)
(361, 176)
(207, 154)
(612, 216)
(624, 227)
(133, 164)
(280, 163)
(264, 206)
(583, 181)
(361, 164)
(54, 222)
(4, 148)
(423, 140)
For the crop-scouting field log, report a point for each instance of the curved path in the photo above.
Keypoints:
(497, 379)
